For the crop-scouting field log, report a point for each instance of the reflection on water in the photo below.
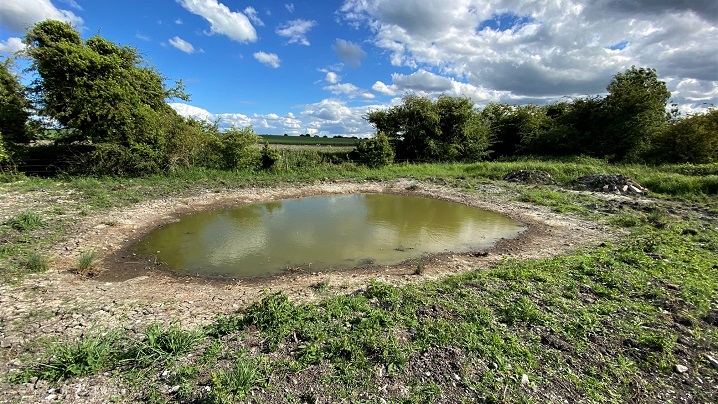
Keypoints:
(321, 233)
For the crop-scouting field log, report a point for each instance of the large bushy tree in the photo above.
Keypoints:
(420, 129)
(14, 107)
(634, 113)
(104, 91)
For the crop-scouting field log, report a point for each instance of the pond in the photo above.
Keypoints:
(322, 233)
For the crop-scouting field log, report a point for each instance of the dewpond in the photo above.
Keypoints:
(322, 233)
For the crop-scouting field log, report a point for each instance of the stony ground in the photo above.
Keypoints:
(131, 293)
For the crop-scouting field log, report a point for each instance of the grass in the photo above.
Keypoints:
(603, 324)
(87, 261)
(26, 221)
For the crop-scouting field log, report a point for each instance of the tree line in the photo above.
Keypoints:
(632, 123)
(112, 106)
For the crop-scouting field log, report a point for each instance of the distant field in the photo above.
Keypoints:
(303, 140)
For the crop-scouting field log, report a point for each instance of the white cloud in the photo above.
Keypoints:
(72, 4)
(332, 78)
(528, 50)
(18, 15)
(329, 116)
(234, 25)
(11, 45)
(141, 36)
(382, 88)
(179, 21)
(296, 31)
(254, 16)
(269, 59)
(187, 110)
(349, 52)
(350, 90)
(289, 7)
(182, 45)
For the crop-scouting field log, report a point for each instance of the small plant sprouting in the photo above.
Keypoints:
(86, 263)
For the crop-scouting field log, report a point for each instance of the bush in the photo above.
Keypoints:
(270, 157)
(689, 140)
(376, 152)
(236, 150)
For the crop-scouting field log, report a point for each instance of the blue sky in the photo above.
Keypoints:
(319, 66)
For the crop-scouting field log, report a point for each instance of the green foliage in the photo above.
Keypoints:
(88, 356)
(635, 112)
(160, 344)
(27, 221)
(36, 263)
(376, 152)
(236, 148)
(693, 139)
(14, 109)
(270, 156)
(105, 91)
(86, 262)
(423, 130)
(231, 386)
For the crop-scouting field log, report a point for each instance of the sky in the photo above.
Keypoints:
(294, 67)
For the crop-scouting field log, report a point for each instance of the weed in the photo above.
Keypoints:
(86, 262)
(36, 263)
(161, 344)
(88, 356)
(27, 221)
(231, 386)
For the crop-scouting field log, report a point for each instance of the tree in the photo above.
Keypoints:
(693, 139)
(423, 130)
(104, 91)
(376, 152)
(14, 107)
(634, 113)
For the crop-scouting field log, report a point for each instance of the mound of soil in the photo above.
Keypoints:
(530, 177)
(613, 183)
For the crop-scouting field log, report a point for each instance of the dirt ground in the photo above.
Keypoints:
(132, 294)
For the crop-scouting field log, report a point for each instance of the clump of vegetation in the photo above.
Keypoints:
(27, 221)
(36, 262)
(86, 263)
(376, 152)
(423, 130)
(270, 157)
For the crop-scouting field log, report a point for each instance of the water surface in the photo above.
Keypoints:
(322, 233)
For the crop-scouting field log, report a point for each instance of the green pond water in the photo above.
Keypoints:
(322, 233)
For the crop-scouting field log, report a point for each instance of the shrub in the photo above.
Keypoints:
(376, 152)
(270, 157)
(236, 149)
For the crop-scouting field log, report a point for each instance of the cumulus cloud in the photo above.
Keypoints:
(254, 16)
(527, 50)
(18, 15)
(332, 78)
(350, 90)
(349, 52)
(289, 7)
(296, 31)
(11, 45)
(329, 116)
(182, 45)
(234, 25)
(269, 59)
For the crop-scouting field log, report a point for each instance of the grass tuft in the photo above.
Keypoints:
(27, 221)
